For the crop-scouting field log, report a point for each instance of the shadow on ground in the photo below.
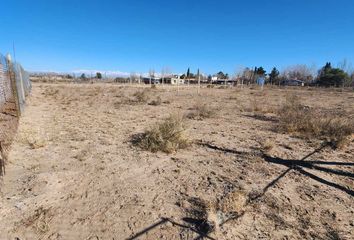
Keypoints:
(203, 228)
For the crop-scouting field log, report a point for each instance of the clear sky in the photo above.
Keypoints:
(137, 35)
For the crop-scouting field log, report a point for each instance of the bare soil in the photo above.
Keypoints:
(73, 172)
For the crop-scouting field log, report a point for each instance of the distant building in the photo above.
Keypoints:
(293, 82)
(173, 80)
(154, 80)
(225, 82)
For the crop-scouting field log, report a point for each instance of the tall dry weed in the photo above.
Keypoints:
(294, 117)
(167, 136)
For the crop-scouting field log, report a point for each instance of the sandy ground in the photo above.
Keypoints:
(73, 172)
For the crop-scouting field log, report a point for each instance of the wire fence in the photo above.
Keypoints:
(15, 86)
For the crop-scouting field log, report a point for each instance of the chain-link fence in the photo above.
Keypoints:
(6, 93)
(15, 86)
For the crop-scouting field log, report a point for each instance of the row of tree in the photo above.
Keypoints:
(326, 76)
(98, 76)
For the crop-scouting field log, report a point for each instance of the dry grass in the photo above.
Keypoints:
(297, 118)
(201, 111)
(167, 136)
(141, 96)
(156, 102)
(227, 207)
(267, 146)
(259, 105)
(35, 142)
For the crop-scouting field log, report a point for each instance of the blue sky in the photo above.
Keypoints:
(137, 35)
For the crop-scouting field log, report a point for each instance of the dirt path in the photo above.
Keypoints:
(73, 173)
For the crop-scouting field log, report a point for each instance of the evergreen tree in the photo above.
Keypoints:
(260, 71)
(273, 76)
(221, 75)
(98, 75)
(329, 76)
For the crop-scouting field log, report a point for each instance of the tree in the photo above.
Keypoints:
(151, 75)
(198, 76)
(329, 76)
(83, 76)
(133, 77)
(188, 75)
(273, 76)
(260, 71)
(98, 75)
(246, 76)
(221, 75)
(299, 72)
(345, 66)
(165, 72)
(209, 78)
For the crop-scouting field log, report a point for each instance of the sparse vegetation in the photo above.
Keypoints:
(167, 136)
(267, 146)
(201, 111)
(259, 105)
(240, 167)
(156, 102)
(141, 96)
(297, 118)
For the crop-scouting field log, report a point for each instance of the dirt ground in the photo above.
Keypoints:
(73, 172)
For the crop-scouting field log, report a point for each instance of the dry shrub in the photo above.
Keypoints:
(153, 86)
(297, 118)
(198, 215)
(156, 102)
(167, 136)
(36, 142)
(226, 208)
(117, 104)
(262, 105)
(51, 92)
(201, 111)
(255, 105)
(35, 139)
(267, 146)
(141, 96)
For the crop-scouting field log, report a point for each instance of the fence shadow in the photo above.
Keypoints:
(226, 150)
(201, 234)
(299, 166)
(296, 165)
